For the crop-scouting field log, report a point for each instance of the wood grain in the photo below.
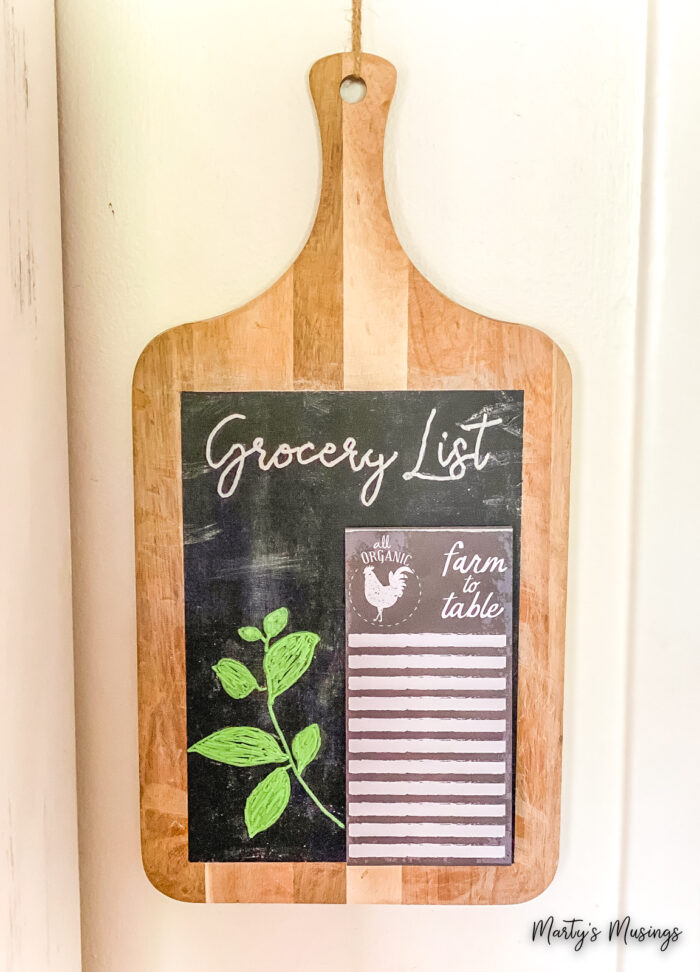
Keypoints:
(350, 313)
(451, 347)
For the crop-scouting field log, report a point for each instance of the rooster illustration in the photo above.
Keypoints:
(382, 596)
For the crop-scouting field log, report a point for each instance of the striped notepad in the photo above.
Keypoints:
(429, 696)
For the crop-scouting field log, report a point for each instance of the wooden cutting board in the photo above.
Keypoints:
(350, 313)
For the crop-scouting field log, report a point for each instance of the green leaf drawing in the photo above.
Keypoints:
(287, 660)
(268, 801)
(275, 622)
(240, 746)
(237, 680)
(305, 746)
(284, 662)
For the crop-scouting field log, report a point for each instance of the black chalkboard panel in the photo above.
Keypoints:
(270, 482)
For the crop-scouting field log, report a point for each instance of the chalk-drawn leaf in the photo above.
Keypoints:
(235, 678)
(275, 622)
(287, 660)
(250, 633)
(240, 746)
(305, 746)
(267, 802)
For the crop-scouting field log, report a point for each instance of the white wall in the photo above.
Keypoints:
(660, 850)
(515, 165)
(39, 908)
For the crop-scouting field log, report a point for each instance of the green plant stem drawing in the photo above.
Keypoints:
(284, 662)
(295, 770)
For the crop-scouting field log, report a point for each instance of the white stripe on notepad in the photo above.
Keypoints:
(426, 745)
(422, 829)
(427, 809)
(443, 682)
(426, 725)
(427, 661)
(426, 640)
(442, 851)
(423, 788)
(426, 702)
(428, 767)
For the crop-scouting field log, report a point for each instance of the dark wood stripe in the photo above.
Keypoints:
(479, 714)
(432, 672)
(478, 841)
(428, 819)
(455, 757)
(418, 693)
(492, 734)
(386, 650)
(426, 778)
(318, 311)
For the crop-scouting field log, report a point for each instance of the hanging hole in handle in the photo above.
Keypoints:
(352, 89)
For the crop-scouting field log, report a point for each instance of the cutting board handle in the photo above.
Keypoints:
(351, 277)
(352, 140)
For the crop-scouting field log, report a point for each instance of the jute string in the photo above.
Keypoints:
(357, 36)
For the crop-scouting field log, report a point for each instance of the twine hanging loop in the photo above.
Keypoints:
(357, 37)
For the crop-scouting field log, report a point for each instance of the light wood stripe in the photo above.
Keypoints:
(375, 274)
